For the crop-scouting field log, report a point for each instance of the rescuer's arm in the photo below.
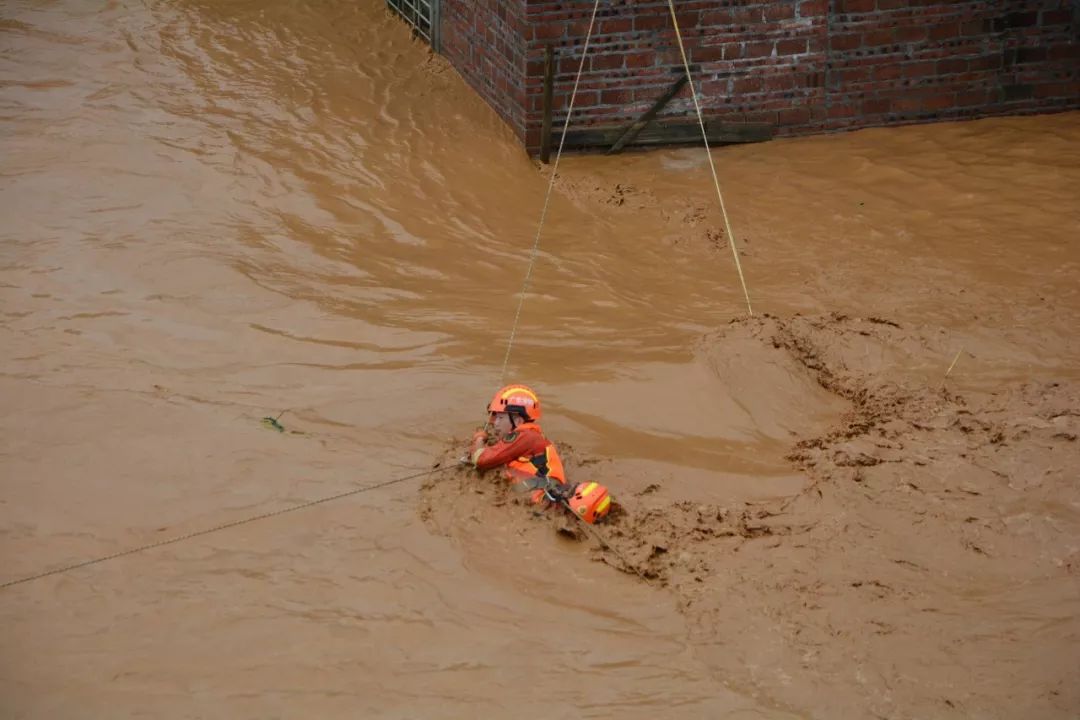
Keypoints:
(508, 448)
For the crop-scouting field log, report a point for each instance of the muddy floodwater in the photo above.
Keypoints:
(214, 212)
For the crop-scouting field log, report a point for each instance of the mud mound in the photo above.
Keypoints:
(766, 388)
(931, 564)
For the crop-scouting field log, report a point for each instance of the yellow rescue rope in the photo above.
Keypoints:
(712, 165)
(547, 196)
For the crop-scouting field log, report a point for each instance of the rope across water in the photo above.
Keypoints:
(547, 195)
(555, 171)
(712, 165)
(218, 528)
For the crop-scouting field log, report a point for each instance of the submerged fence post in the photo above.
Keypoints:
(436, 25)
(549, 82)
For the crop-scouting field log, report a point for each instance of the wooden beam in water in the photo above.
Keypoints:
(670, 133)
(549, 83)
(634, 128)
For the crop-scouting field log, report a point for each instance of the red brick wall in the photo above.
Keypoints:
(895, 61)
(804, 65)
(485, 40)
(633, 57)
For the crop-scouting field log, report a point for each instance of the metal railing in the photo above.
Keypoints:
(422, 16)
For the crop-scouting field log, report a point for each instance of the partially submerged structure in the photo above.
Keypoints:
(789, 67)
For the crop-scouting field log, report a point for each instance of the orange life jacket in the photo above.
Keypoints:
(545, 464)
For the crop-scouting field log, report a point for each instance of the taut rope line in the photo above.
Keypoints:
(712, 165)
(218, 528)
(547, 196)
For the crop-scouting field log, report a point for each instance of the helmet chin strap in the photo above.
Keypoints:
(510, 415)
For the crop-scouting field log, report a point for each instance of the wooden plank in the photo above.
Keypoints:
(549, 83)
(634, 128)
(670, 133)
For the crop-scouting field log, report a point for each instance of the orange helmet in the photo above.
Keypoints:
(590, 502)
(519, 399)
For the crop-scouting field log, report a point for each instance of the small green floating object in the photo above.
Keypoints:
(273, 424)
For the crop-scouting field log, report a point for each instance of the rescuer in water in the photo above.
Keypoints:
(513, 441)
